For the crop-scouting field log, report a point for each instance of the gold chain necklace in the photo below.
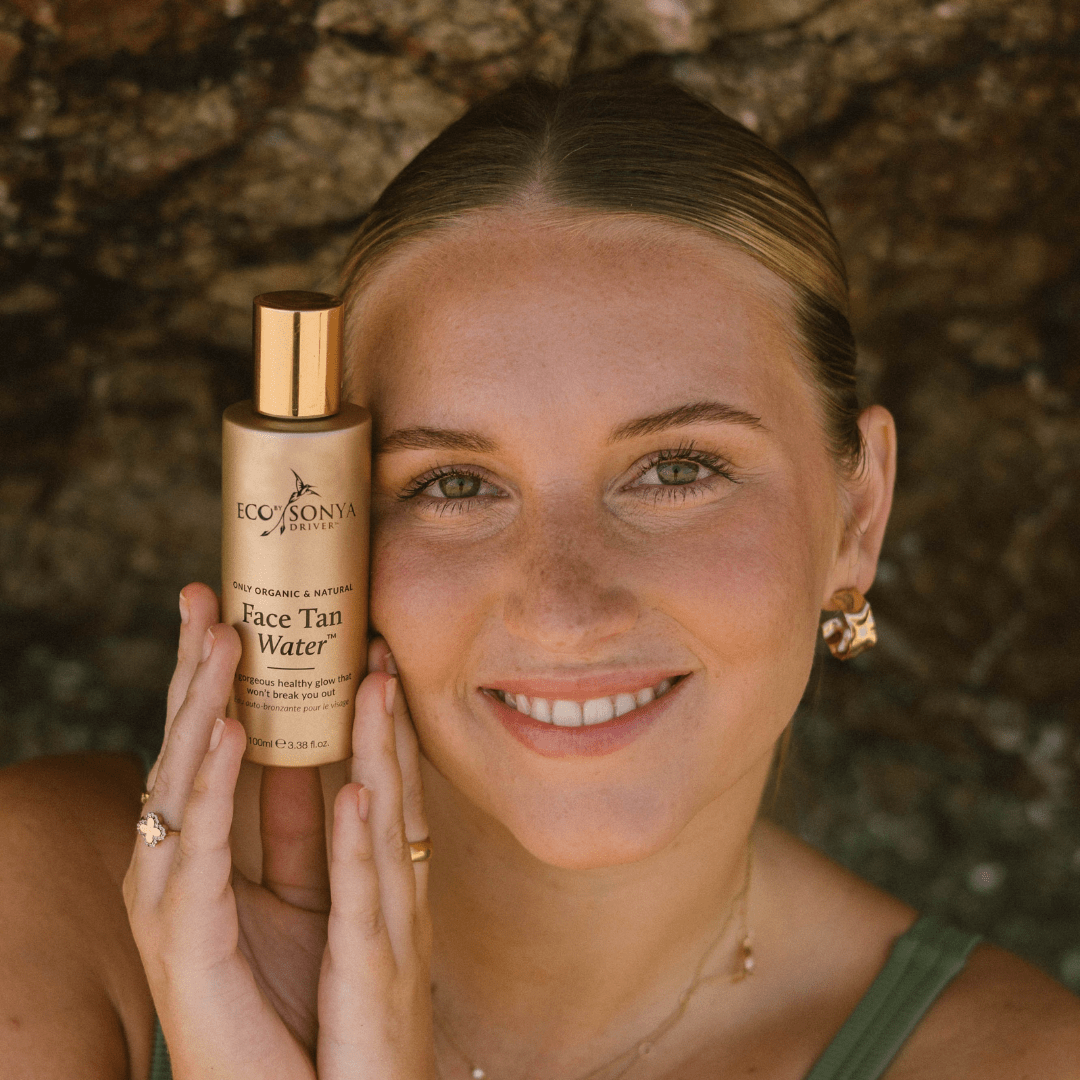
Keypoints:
(622, 1063)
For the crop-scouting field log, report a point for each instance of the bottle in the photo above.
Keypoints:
(296, 478)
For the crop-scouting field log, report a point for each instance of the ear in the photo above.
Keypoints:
(869, 496)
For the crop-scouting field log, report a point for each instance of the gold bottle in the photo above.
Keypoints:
(296, 477)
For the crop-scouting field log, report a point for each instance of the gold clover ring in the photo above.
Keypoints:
(420, 850)
(153, 830)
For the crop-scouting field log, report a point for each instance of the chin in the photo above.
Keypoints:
(595, 830)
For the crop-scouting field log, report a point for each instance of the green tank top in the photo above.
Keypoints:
(921, 964)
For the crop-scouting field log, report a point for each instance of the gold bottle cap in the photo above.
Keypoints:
(297, 354)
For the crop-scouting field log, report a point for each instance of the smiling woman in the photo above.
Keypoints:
(620, 471)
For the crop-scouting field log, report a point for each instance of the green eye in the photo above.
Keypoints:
(677, 472)
(457, 486)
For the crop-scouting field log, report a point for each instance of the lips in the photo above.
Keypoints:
(579, 725)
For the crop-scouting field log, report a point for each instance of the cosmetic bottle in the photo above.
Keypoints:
(296, 474)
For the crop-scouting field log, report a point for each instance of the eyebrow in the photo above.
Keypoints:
(425, 438)
(697, 412)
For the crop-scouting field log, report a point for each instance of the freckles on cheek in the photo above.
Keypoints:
(746, 585)
(421, 599)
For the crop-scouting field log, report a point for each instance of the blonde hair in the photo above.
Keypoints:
(619, 144)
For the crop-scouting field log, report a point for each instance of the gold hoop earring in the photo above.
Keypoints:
(853, 630)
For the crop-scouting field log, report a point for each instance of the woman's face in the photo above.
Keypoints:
(599, 475)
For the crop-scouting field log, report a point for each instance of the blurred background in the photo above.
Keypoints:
(161, 161)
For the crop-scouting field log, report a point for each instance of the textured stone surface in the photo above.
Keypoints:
(162, 162)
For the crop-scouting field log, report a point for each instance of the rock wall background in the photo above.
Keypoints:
(163, 160)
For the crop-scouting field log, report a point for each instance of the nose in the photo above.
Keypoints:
(568, 593)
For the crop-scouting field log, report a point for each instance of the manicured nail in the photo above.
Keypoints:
(185, 609)
(363, 803)
(215, 733)
(391, 667)
(208, 644)
(388, 699)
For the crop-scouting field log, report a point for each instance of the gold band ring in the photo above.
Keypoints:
(420, 850)
(153, 830)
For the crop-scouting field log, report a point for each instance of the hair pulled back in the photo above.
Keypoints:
(613, 143)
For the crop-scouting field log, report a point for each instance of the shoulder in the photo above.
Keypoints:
(73, 991)
(999, 1019)
(94, 792)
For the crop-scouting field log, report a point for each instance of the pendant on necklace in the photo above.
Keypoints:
(478, 1073)
(746, 960)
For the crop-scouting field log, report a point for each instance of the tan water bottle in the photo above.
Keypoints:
(296, 478)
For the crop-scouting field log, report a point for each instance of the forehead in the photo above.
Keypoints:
(544, 308)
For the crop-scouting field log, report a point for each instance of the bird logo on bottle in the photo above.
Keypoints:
(301, 490)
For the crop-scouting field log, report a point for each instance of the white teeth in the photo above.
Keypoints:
(577, 714)
(566, 714)
(597, 710)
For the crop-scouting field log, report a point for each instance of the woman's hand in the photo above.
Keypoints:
(234, 965)
(375, 1018)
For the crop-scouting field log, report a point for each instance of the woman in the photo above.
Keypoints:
(620, 471)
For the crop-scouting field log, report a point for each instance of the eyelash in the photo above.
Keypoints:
(658, 493)
(422, 483)
(688, 452)
(684, 452)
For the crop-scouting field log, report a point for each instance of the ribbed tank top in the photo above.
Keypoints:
(922, 963)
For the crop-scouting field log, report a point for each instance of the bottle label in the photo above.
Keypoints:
(294, 562)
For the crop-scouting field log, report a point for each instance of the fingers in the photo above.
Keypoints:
(375, 766)
(293, 828)
(408, 754)
(374, 993)
(203, 867)
(408, 748)
(198, 612)
(412, 800)
(380, 657)
(197, 863)
(189, 735)
(357, 933)
(185, 922)
(209, 810)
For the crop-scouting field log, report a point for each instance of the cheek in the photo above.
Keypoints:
(427, 600)
(409, 596)
(747, 583)
(746, 595)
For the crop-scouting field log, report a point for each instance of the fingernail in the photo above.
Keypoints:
(388, 698)
(215, 733)
(363, 803)
(391, 667)
(208, 644)
(185, 609)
